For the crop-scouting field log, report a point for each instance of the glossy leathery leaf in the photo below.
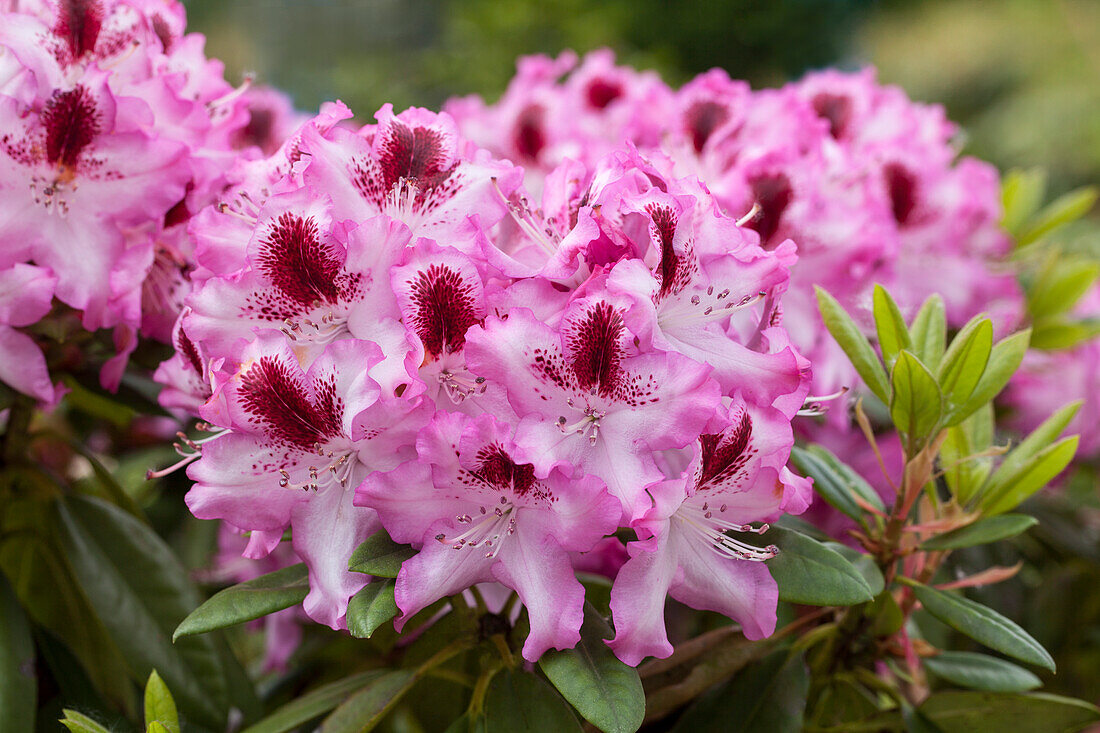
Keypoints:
(981, 672)
(983, 531)
(371, 607)
(249, 600)
(380, 556)
(847, 334)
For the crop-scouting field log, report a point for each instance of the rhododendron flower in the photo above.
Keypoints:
(411, 167)
(298, 442)
(586, 397)
(736, 476)
(480, 512)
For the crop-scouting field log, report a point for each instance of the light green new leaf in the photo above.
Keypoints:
(1054, 334)
(854, 344)
(1059, 286)
(380, 556)
(808, 572)
(18, 684)
(249, 600)
(606, 692)
(1022, 194)
(982, 624)
(159, 705)
(928, 332)
(917, 404)
(981, 532)
(964, 471)
(1034, 474)
(370, 608)
(893, 336)
(981, 672)
(1063, 210)
(1037, 440)
(956, 711)
(80, 723)
(964, 363)
(1004, 360)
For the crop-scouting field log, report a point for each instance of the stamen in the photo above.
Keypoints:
(459, 386)
(525, 219)
(814, 406)
(489, 531)
(749, 216)
(225, 99)
(702, 523)
(189, 449)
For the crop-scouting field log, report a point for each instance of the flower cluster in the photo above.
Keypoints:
(114, 128)
(386, 332)
(863, 180)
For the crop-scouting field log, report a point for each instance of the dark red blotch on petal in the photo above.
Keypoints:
(774, 194)
(413, 153)
(836, 109)
(703, 118)
(602, 92)
(530, 138)
(445, 309)
(280, 405)
(664, 224)
(190, 352)
(71, 122)
(902, 185)
(298, 264)
(78, 24)
(595, 344)
(725, 454)
(497, 468)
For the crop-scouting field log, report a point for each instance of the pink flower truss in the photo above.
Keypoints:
(113, 128)
(385, 331)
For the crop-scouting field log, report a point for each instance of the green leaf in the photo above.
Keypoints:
(1059, 285)
(981, 672)
(964, 471)
(370, 608)
(519, 702)
(854, 344)
(1012, 489)
(159, 705)
(893, 336)
(1004, 360)
(33, 558)
(141, 593)
(1063, 210)
(18, 684)
(983, 531)
(365, 709)
(766, 697)
(1022, 194)
(313, 704)
(80, 723)
(810, 573)
(1057, 334)
(1036, 712)
(380, 556)
(982, 624)
(156, 727)
(916, 405)
(964, 363)
(246, 601)
(928, 333)
(835, 481)
(1036, 441)
(862, 562)
(606, 692)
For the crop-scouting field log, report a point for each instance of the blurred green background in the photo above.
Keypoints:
(1022, 76)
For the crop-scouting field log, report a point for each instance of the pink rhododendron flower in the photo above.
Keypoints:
(297, 443)
(736, 476)
(25, 295)
(480, 512)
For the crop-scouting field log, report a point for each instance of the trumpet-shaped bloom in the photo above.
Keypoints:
(685, 550)
(479, 512)
(296, 444)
